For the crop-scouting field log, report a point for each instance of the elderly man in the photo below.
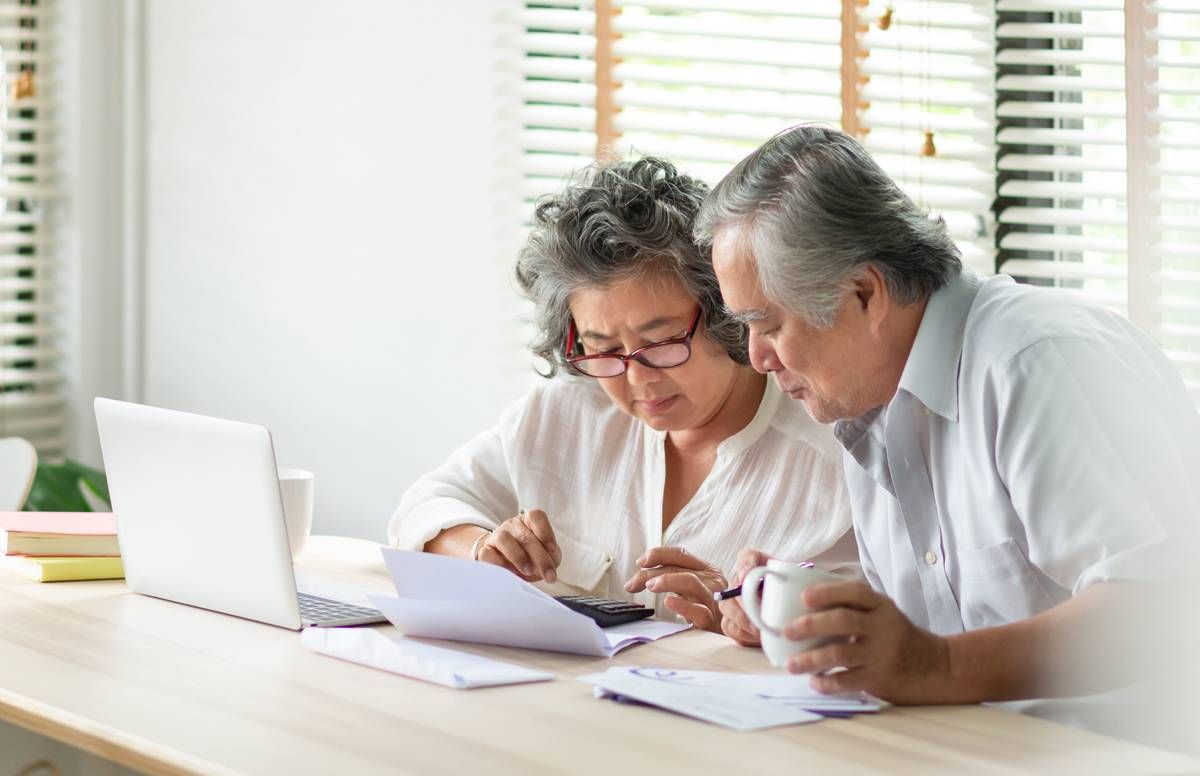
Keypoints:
(1022, 465)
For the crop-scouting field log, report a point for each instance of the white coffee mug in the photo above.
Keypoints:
(782, 602)
(296, 489)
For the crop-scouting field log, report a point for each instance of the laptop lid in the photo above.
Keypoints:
(199, 516)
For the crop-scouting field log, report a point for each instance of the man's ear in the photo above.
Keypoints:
(871, 291)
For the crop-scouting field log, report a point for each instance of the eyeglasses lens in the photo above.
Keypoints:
(666, 355)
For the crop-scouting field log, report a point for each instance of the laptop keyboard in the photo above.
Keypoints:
(319, 609)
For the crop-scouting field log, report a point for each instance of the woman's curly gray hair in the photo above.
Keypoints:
(613, 222)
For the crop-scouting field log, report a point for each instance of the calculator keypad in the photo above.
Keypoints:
(605, 611)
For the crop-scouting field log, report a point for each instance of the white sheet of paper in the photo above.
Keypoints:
(395, 653)
(450, 598)
(786, 689)
(639, 632)
(730, 708)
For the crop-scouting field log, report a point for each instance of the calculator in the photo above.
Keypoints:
(605, 611)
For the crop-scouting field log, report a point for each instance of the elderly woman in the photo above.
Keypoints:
(640, 472)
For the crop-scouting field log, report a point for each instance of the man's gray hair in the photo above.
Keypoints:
(815, 208)
(613, 222)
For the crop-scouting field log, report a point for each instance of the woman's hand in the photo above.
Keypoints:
(525, 546)
(691, 581)
(734, 622)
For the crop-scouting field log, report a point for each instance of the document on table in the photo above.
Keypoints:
(781, 689)
(730, 707)
(400, 655)
(450, 598)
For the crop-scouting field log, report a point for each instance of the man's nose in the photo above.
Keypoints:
(762, 356)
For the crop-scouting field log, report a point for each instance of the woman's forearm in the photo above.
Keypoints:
(456, 541)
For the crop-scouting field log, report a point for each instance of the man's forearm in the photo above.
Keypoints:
(1084, 645)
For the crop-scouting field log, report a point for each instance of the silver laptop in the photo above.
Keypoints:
(200, 519)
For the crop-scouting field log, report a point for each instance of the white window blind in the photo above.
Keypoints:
(1063, 211)
(1172, 49)
(31, 401)
(704, 83)
(928, 110)
(555, 92)
(1100, 170)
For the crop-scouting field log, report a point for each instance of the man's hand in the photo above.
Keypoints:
(882, 651)
(691, 580)
(734, 623)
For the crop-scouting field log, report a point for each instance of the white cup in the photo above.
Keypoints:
(782, 602)
(296, 489)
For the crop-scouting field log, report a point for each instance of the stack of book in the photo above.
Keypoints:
(60, 546)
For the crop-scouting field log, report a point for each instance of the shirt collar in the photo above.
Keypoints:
(862, 438)
(931, 372)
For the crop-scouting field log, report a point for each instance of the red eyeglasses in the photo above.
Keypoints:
(657, 355)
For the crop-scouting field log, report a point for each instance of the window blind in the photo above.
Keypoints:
(31, 398)
(1100, 164)
(928, 110)
(1062, 183)
(1171, 47)
(704, 83)
(556, 92)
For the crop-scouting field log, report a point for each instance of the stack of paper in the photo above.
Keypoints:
(737, 701)
(440, 597)
(60, 546)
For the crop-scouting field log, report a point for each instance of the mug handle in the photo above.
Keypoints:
(750, 602)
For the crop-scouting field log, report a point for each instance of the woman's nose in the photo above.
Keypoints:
(638, 373)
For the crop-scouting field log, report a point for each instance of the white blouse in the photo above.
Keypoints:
(599, 474)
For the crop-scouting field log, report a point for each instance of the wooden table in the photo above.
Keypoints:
(171, 689)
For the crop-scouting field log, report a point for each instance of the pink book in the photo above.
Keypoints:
(73, 523)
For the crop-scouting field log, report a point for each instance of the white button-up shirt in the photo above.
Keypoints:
(599, 474)
(1036, 445)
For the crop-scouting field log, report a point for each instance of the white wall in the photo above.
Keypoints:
(319, 240)
(90, 240)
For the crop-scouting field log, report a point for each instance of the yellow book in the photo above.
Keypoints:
(54, 569)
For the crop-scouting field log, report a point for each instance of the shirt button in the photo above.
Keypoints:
(931, 557)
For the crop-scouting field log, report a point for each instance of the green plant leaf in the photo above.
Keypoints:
(57, 487)
(93, 479)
